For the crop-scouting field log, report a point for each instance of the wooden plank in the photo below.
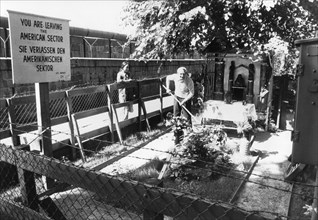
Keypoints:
(117, 125)
(170, 203)
(27, 128)
(12, 123)
(18, 211)
(149, 81)
(43, 117)
(161, 100)
(69, 108)
(165, 167)
(122, 85)
(109, 93)
(5, 134)
(117, 105)
(85, 91)
(149, 98)
(27, 186)
(59, 120)
(94, 133)
(142, 104)
(78, 137)
(57, 95)
(44, 123)
(88, 113)
(51, 209)
(23, 100)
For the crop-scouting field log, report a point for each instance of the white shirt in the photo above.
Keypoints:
(183, 87)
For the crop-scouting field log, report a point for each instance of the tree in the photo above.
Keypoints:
(165, 28)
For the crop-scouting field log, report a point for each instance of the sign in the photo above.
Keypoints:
(40, 48)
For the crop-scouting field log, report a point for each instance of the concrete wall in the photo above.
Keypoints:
(96, 71)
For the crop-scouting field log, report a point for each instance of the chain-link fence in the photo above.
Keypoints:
(84, 194)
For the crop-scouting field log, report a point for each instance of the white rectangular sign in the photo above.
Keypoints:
(40, 48)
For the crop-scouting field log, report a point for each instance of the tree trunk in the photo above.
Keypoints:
(269, 102)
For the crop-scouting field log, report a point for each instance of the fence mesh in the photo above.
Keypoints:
(79, 193)
(25, 113)
(89, 101)
(4, 120)
(58, 108)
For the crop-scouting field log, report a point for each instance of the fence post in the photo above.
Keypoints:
(78, 137)
(27, 185)
(44, 123)
(110, 111)
(69, 107)
(110, 47)
(161, 98)
(139, 104)
(12, 123)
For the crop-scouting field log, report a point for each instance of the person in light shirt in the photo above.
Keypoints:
(124, 76)
(184, 91)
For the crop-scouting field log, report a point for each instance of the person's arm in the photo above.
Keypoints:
(120, 76)
(191, 92)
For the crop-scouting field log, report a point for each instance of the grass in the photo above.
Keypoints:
(220, 189)
(112, 151)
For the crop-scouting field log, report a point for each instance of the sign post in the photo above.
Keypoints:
(40, 50)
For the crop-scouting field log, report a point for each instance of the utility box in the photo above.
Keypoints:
(305, 134)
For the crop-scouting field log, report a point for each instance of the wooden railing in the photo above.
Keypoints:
(18, 114)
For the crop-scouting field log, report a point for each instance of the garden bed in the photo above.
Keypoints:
(200, 165)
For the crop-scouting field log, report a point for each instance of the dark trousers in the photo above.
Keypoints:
(180, 111)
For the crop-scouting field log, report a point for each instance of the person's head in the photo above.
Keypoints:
(182, 72)
(125, 66)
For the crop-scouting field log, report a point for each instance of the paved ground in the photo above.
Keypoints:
(157, 148)
(266, 190)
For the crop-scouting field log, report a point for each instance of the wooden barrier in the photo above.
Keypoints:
(21, 121)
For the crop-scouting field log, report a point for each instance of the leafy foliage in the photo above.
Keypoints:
(166, 28)
(204, 154)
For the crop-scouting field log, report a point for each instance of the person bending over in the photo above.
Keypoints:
(184, 91)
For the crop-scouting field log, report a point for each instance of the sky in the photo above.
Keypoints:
(103, 15)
